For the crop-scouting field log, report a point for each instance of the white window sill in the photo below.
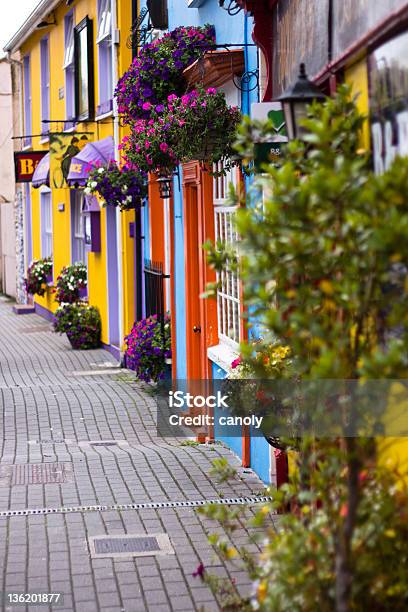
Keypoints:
(104, 116)
(222, 355)
(45, 140)
(27, 147)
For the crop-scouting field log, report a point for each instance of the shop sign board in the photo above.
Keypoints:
(25, 163)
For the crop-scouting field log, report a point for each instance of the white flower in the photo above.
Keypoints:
(94, 184)
(87, 190)
(72, 279)
(101, 170)
(124, 188)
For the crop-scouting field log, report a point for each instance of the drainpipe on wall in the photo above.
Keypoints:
(115, 43)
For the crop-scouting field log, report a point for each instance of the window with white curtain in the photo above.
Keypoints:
(45, 84)
(229, 290)
(78, 230)
(69, 68)
(46, 224)
(104, 41)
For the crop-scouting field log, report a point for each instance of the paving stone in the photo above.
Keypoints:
(44, 401)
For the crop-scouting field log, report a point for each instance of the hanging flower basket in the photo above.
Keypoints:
(205, 125)
(118, 186)
(70, 282)
(158, 71)
(39, 275)
(197, 126)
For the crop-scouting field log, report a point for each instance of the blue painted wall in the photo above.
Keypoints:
(231, 436)
(230, 30)
(260, 457)
(179, 280)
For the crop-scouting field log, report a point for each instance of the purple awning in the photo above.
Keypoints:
(93, 154)
(41, 174)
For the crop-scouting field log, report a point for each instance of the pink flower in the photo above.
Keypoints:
(211, 91)
(146, 106)
(171, 97)
(199, 571)
(236, 363)
(164, 146)
(185, 100)
(147, 144)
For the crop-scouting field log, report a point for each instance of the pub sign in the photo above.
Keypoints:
(25, 163)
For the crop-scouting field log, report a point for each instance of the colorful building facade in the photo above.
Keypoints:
(71, 54)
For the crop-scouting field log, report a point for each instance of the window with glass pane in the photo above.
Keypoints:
(229, 290)
(69, 68)
(27, 101)
(78, 230)
(104, 41)
(84, 88)
(45, 84)
(46, 224)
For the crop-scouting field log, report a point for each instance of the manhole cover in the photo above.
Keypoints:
(131, 545)
(35, 473)
(102, 443)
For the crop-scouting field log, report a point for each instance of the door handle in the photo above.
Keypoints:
(197, 329)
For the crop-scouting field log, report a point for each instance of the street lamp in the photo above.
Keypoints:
(295, 100)
(165, 184)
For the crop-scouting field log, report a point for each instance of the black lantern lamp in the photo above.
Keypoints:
(165, 186)
(295, 101)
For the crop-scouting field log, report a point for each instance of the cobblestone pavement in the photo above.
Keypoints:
(55, 403)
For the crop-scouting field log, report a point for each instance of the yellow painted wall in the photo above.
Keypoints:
(357, 77)
(97, 262)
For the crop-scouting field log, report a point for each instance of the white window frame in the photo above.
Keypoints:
(69, 67)
(104, 20)
(104, 42)
(229, 291)
(46, 223)
(78, 229)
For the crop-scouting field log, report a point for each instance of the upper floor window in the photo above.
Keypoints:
(69, 67)
(104, 41)
(27, 101)
(229, 285)
(45, 84)
(84, 84)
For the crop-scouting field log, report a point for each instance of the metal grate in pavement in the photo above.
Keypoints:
(105, 443)
(35, 473)
(130, 545)
(224, 501)
(50, 441)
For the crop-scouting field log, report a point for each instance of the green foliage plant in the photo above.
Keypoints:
(322, 256)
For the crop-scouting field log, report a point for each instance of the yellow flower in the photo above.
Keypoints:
(390, 533)
(262, 591)
(231, 553)
(326, 286)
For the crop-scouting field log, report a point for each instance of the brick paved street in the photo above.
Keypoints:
(55, 402)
